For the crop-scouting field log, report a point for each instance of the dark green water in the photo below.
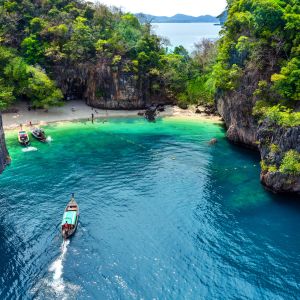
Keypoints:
(163, 216)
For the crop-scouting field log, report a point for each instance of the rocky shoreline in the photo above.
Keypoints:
(244, 130)
(274, 142)
(4, 157)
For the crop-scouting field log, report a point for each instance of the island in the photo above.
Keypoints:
(178, 18)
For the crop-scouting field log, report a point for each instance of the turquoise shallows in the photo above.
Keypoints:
(163, 216)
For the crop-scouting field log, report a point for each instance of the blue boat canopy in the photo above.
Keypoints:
(70, 217)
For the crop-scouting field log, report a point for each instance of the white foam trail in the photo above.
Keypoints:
(53, 285)
(57, 269)
(49, 139)
(29, 149)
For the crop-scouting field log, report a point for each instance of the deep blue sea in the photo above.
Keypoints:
(187, 34)
(163, 215)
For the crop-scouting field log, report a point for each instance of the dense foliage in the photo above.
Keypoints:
(188, 77)
(259, 59)
(18, 79)
(40, 35)
(43, 34)
(261, 39)
(291, 163)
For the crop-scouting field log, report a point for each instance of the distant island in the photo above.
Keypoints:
(223, 17)
(179, 18)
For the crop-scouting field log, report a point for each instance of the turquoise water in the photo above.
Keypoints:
(163, 216)
(187, 34)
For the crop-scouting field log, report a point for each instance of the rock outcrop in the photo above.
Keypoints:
(236, 110)
(4, 158)
(105, 86)
(274, 142)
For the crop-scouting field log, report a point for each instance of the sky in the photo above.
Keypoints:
(170, 7)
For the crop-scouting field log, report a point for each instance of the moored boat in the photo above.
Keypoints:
(70, 219)
(39, 134)
(23, 138)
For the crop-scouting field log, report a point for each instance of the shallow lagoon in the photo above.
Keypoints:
(163, 216)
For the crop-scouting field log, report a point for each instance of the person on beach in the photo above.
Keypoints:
(30, 124)
(93, 118)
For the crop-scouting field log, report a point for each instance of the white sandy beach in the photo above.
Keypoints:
(78, 110)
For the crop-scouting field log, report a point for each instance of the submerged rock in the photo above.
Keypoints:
(213, 141)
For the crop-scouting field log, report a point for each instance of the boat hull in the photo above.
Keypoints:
(72, 206)
(24, 143)
(23, 138)
(42, 138)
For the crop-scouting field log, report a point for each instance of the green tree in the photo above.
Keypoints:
(33, 49)
(288, 81)
(6, 95)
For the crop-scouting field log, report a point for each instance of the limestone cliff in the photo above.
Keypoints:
(282, 140)
(236, 109)
(3, 150)
(105, 86)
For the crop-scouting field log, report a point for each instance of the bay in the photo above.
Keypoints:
(164, 215)
(187, 34)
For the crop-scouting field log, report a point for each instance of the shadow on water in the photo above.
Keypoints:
(243, 231)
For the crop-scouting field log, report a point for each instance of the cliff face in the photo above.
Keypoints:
(104, 86)
(236, 110)
(285, 139)
(3, 150)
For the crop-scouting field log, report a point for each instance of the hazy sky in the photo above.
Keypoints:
(170, 7)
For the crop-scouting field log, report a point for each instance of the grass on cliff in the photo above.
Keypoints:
(278, 114)
(291, 163)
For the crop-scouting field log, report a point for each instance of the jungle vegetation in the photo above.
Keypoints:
(261, 40)
(260, 37)
(36, 36)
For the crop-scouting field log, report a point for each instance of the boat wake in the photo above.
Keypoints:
(57, 269)
(49, 139)
(29, 149)
(54, 286)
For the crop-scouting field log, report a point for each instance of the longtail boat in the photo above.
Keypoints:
(39, 134)
(23, 138)
(70, 219)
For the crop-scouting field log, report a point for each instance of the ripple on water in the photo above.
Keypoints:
(163, 216)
